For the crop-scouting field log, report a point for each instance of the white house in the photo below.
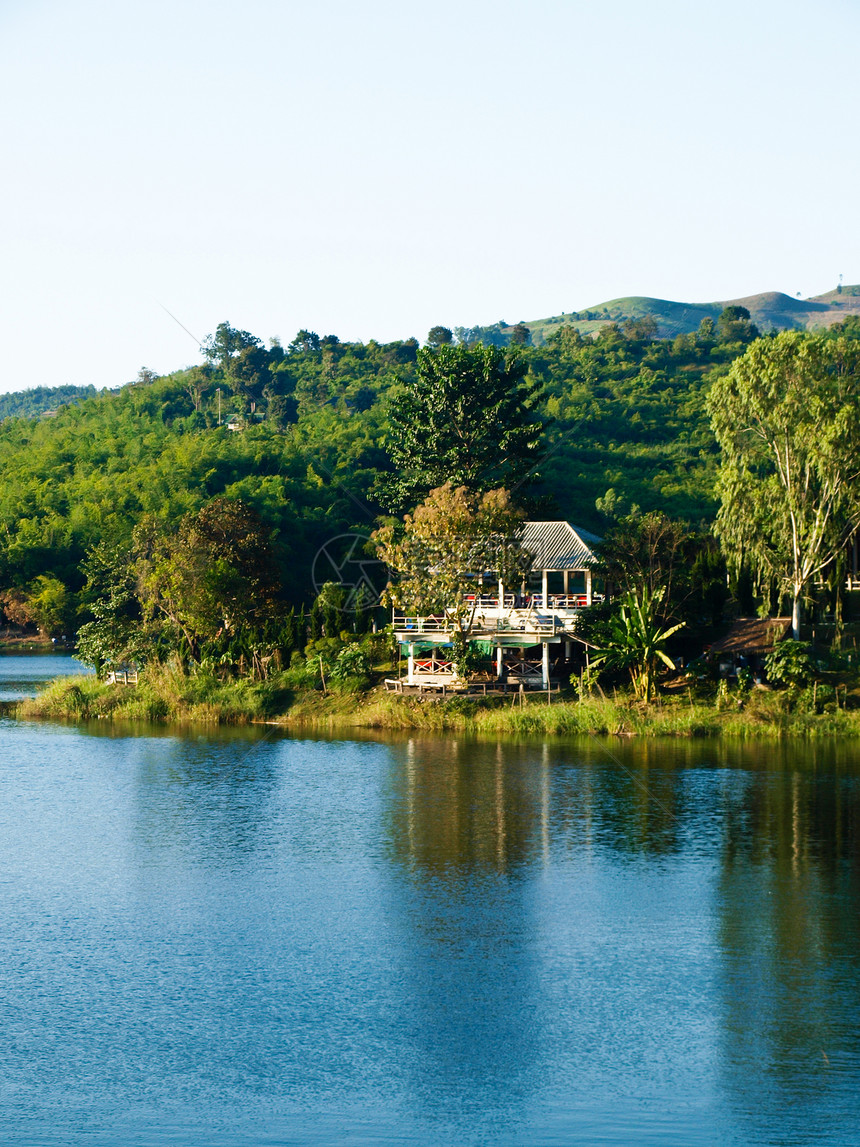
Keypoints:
(523, 629)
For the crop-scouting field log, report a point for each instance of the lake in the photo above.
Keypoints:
(246, 938)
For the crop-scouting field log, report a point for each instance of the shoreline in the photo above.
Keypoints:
(170, 698)
(35, 645)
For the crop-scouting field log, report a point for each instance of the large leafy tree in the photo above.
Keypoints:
(45, 603)
(656, 553)
(787, 416)
(207, 584)
(227, 342)
(466, 417)
(210, 578)
(438, 551)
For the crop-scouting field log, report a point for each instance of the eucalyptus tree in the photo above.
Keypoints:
(787, 416)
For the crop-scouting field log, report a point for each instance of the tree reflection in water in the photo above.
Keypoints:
(759, 845)
(789, 898)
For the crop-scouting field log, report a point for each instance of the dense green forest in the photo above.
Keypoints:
(41, 400)
(302, 441)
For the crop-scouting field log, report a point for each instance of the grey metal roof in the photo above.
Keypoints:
(558, 546)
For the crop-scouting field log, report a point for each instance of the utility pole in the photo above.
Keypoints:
(218, 392)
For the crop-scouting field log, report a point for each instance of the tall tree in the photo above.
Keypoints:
(787, 417)
(467, 417)
(734, 325)
(450, 538)
(227, 343)
(439, 336)
(210, 577)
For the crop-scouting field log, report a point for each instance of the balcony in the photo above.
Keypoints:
(512, 617)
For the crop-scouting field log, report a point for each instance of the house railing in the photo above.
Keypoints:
(436, 623)
(431, 665)
(515, 601)
(560, 601)
(519, 622)
(519, 668)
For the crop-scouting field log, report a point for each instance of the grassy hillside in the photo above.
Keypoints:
(769, 310)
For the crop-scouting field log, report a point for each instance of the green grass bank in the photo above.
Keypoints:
(169, 696)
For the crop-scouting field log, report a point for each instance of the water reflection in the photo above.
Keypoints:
(625, 797)
(464, 820)
(428, 939)
(789, 931)
(211, 799)
(459, 804)
(766, 838)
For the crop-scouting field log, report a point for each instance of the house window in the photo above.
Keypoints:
(555, 581)
(576, 581)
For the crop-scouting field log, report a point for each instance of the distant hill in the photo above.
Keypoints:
(42, 400)
(770, 310)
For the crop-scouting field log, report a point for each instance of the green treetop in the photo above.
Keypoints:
(466, 417)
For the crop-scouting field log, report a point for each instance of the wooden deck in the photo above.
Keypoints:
(475, 688)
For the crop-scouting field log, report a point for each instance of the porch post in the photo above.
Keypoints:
(588, 587)
(410, 667)
(544, 582)
(566, 582)
(499, 665)
(501, 594)
(545, 664)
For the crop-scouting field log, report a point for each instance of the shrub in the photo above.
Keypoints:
(351, 661)
(791, 663)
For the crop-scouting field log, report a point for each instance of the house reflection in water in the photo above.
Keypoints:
(463, 822)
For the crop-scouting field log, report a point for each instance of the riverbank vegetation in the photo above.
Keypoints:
(168, 694)
(213, 529)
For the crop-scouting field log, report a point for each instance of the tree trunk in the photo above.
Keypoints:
(795, 615)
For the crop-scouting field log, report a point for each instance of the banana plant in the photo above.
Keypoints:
(636, 640)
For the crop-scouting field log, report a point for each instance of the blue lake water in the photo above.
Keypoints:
(22, 673)
(250, 939)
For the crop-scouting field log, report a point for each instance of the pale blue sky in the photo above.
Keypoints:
(371, 169)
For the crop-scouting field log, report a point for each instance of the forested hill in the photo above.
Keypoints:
(41, 400)
(770, 311)
(625, 424)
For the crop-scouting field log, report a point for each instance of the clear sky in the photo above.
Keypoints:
(371, 169)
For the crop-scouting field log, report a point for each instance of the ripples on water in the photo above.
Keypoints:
(236, 940)
(22, 673)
